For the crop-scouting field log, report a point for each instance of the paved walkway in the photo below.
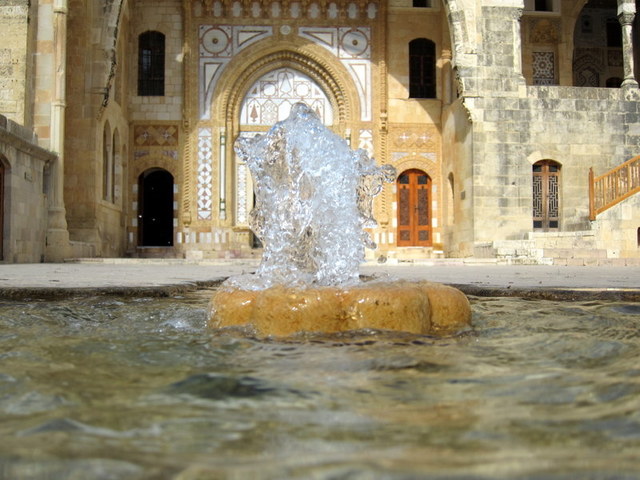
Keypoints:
(165, 277)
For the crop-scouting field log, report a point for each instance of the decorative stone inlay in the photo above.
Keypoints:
(156, 135)
(414, 139)
(287, 10)
(270, 99)
(205, 174)
(543, 64)
(544, 31)
(352, 46)
(218, 44)
(366, 141)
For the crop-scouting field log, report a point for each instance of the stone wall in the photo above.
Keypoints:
(25, 199)
(515, 126)
(15, 63)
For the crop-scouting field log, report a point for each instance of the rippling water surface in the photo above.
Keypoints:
(139, 388)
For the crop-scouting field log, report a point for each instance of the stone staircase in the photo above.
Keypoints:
(580, 248)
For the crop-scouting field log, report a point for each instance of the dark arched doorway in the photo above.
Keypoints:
(414, 209)
(155, 208)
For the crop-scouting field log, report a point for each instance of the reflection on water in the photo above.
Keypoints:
(139, 388)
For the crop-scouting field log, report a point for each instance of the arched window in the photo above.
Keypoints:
(115, 164)
(151, 64)
(546, 195)
(597, 42)
(107, 160)
(422, 68)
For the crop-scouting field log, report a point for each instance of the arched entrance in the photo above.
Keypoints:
(546, 195)
(155, 208)
(268, 101)
(414, 209)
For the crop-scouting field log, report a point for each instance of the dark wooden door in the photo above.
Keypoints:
(414, 209)
(546, 195)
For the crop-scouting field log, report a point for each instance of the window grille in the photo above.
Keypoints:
(151, 64)
(422, 68)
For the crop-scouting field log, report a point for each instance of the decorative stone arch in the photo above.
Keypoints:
(144, 164)
(156, 161)
(242, 72)
(418, 162)
(156, 212)
(428, 166)
(251, 64)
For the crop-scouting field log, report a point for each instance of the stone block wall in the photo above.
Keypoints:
(515, 126)
(15, 64)
(165, 17)
(24, 200)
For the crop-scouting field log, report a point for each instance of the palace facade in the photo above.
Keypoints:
(514, 128)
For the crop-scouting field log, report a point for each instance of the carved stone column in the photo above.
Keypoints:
(626, 14)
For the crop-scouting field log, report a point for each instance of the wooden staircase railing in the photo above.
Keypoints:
(614, 186)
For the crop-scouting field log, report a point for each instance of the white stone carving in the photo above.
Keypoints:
(218, 44)
(352, 46)
(270, 99)
(205, 174)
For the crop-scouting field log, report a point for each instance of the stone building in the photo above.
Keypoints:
(514, 128)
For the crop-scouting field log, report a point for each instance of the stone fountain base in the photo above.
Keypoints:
(414, 307)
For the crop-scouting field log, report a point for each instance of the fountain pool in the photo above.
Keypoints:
(141, 388)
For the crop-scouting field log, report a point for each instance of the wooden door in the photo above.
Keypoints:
(546, 195)
(414, 209)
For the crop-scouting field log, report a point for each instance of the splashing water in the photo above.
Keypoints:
(314, 195)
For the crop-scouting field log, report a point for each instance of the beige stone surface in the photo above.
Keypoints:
(414, 307)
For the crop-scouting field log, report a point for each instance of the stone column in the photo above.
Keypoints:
(626, 14)
(57, 244)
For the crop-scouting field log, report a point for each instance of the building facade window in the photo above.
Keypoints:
(543, 66)
(107, 160)
(422, 68)
(151, 52)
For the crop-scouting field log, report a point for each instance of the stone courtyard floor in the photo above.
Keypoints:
(137, 277)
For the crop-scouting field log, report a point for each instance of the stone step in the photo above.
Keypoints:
(156, 252)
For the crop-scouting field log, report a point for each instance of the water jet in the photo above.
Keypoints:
(314, 198)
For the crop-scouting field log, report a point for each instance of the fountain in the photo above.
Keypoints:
(314, 197)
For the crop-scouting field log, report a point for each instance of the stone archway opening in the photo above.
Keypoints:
(155, 208)
(267, 101)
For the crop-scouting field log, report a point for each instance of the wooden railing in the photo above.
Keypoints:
(614, 186)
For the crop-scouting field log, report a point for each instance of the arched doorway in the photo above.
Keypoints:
(155, 208)
(546, 195)
(267, 101)
(597, 39)
(414, 209)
